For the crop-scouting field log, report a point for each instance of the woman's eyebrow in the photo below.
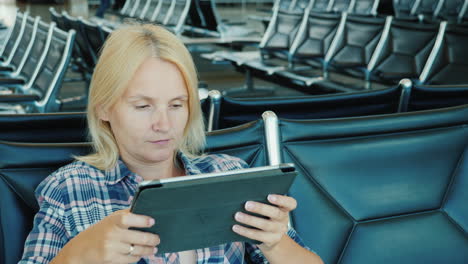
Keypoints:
(181, 97)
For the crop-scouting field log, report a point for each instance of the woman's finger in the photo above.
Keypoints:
(127, 220)
(270, 211)
(141, 238)
(255, 234)
(260, 223)
(136, 250)
(286, 203)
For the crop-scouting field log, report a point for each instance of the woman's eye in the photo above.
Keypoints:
(176, 105)
(141, 106)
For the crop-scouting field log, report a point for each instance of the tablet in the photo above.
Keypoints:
(197, 211)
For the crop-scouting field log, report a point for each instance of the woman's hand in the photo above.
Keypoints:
(269, 231)
(111, 241)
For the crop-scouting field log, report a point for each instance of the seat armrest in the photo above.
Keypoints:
(11, 81)
(19, 98)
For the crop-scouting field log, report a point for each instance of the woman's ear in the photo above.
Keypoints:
(103, 114)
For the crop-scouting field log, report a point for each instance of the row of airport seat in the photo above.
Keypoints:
(36, 57)
(222, 112)
(345, 53)
(451, 10)
(375, 189)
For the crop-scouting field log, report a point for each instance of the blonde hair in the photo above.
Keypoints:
(123, 52)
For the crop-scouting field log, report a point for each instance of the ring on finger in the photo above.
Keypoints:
(131, 249)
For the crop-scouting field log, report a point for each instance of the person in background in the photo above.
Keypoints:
(103, 6)
(145, 123)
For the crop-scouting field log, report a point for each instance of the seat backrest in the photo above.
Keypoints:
(450, 67)
(152, 4)
(381, 189)
(93, 35)
(178, 15)
(25, 44)
(163, 11)
(58, 19)
(83, 49)
(404, 52)
(127, 8)
(137, 12)
(322, 5)
(17, 35)
(341, 5)
(44, 127)
(246, 142)
(195, 15)
(210, 14)
(426, 97)
(231, 111)
(13, 35)
(50, 77)
(22, 167)
(449, 9)
(38, 50)
(365, 7)
(280, 34)
(312, 44)
(357, 43)
(402, 8)
(135, 8)
(425, 8)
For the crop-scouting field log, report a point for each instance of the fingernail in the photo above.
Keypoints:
(151, 222)
(236, 228)
(272, 198)
(238, 216)
(155, 250)
(249, 205)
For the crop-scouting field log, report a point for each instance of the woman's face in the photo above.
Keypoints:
(149, 120)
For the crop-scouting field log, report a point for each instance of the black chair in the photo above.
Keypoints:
(354, 49)
(24, 165)
(163, 11)
(13, 38)
(322, 6)
(93, 35)
(83, 49)
(449, 10)
(228, 112)
(23, 49)
(311, 48)
(150, 9)
(404, 53)
(402, 8)
(43, 94)
(341, 5)
(44, 128)
(177, 16)
(365, 7)
(449, 67)
(425, 9)
(416, 97)
(23, 81)
(381, 189)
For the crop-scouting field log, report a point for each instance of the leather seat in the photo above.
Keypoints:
(24, 165)
(382, 189)
(44, 127)
(230, 111)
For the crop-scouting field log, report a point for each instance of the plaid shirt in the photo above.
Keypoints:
(79, 195)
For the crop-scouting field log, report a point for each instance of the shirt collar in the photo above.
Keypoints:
(121, 171)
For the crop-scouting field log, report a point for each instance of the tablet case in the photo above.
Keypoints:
(199, 213)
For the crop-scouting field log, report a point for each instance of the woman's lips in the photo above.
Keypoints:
(161, 142)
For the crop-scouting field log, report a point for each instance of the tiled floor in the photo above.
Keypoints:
(216, 76)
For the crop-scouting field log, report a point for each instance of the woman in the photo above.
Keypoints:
(145, 123)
